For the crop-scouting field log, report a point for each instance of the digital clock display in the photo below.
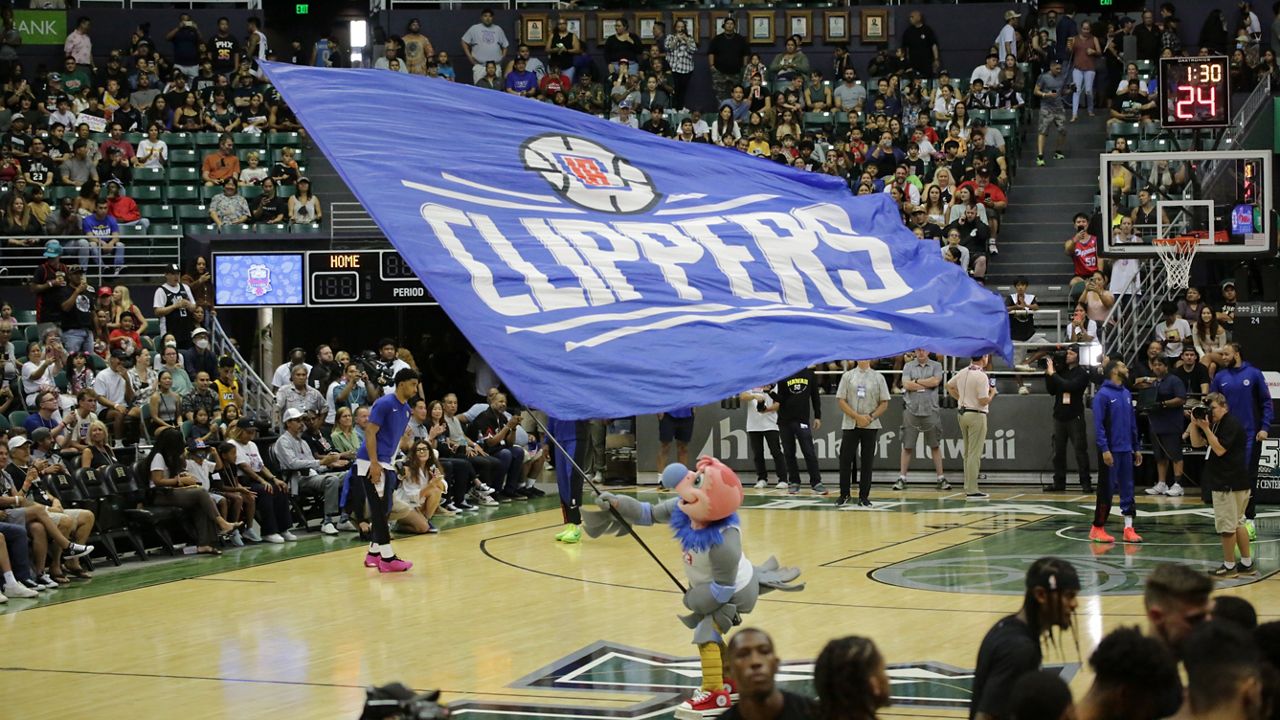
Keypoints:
(343, 278)
(1195, 92)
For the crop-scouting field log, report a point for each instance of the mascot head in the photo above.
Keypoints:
(709, 494)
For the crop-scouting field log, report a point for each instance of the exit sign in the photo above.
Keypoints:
(301, 9)
(1104, 2)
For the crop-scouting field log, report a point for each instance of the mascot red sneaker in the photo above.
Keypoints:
(723, 584)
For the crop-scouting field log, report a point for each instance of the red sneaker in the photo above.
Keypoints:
(1099, 535)
(704, 704)
(1132, 536)
(733, 690)
(371, 560)
(393, 565)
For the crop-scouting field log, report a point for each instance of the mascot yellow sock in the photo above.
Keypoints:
(713, 668)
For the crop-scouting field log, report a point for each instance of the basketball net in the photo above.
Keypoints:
(1176, 254)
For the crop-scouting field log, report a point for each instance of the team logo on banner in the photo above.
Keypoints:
(589, 175)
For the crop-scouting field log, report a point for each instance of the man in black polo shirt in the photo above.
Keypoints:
(1067, 385)
(1226, 473)
(497, 434)
(796, 395)
(75, 301)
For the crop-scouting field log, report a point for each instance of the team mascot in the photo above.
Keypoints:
(723, 584)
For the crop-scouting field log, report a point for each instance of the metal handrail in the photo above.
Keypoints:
(1128, 325)
(258, 397)
(145, 257)
(350, 219)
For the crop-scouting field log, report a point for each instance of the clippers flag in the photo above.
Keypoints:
(603, 271)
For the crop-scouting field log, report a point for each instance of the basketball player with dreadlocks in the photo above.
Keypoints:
(573, 442)
(1117, 438)
(1012, 647)
(851, 680)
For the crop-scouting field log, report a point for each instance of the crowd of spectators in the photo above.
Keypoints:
(77, 139)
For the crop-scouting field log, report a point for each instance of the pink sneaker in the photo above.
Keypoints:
(393, 565)
(371, 560)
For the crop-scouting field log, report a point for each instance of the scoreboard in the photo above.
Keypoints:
(317, 278)
(362, 277)
(1195, 92)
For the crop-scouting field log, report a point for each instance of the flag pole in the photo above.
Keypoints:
(612, 510)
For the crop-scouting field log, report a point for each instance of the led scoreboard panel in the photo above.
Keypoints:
(1195, 92)
(362, 277)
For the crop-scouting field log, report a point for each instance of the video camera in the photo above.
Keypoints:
(397, 702)
(1200, 412)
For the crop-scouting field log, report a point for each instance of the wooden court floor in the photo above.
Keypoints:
(511, 624)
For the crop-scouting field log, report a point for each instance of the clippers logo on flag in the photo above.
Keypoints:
(591, 264)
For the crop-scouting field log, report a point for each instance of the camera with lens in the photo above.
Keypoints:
(397, 702)
(1200, 412)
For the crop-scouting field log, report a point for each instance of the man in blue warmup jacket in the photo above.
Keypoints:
(1249, 401)
(1116, 426)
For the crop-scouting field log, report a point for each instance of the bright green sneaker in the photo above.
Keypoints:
(1249, 528)
(571, 535)
(568, 528)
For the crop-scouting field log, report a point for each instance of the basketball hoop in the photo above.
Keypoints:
(1176, 254)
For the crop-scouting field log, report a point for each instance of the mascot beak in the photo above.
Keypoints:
(673, 474)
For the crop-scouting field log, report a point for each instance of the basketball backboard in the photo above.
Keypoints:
(1222, 199)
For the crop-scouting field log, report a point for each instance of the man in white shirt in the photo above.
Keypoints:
(1007, 40)
(762, 427)
(1173, 330)
(307, 473)
(115, 398)
(624, 116)
(280, 377)
(989, 71)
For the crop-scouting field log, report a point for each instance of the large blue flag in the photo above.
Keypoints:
(603, 271)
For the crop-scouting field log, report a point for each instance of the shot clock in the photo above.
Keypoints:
(1195, 92)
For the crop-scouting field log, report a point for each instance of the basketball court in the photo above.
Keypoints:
(511, 624)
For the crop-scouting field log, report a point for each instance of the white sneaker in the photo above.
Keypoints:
(762, 484)
(1175, 490)
(348, 526)
(48, 582)
(329, 529)
(1024, 390)
(3, 599)
(251, 535)
(18, 590)
(289, 536)
(236, 539)
(782, 485)
(598, 477)
(1159, 489)
(274, 539)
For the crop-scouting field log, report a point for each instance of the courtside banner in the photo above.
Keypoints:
(603, 271)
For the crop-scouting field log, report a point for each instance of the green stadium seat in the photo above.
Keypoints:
(251, 192)
(132, 230)
(147, 193)
(135, 137)
(160, 229)
(178, 140)
(237, 229)
(269, 229)
(183, 156)
(4, 422)
(243, 139)
(153, 327)
(148, 175)
(199, 229)
(184, 193)
(979, 114)
(306, 227)
(817, 119)
(1125, 130)
(208, 192)
(191, 213)
(1002, 115)
(283, 139)
(19, 347)
(25, 317)
(207, 140)
(57, 192)
(286, 191)
(17, 417)
(186, 175)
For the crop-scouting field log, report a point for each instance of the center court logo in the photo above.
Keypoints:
(589, 175)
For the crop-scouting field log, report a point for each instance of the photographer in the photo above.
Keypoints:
(383, 367)
(1245, 389)
(1067, 383)
(1164, 427)
(1226, 473)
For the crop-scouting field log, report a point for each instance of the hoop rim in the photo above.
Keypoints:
(1176, 242)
